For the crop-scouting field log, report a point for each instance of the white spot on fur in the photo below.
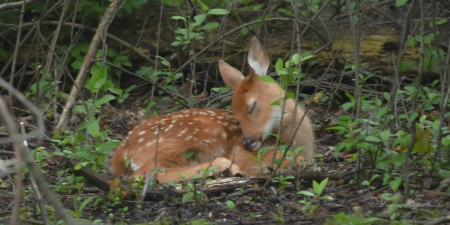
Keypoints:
(141, 140)
(206, 130)
(190, 123)
(224, 135)
(225, 124)
(134, 166)
(130, 132)
(168, 128)
(188, 138)
(142, 132)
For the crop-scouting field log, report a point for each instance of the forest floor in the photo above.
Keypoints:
(246, 202)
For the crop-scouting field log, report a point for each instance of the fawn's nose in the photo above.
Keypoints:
(252, 145)
(248, 143)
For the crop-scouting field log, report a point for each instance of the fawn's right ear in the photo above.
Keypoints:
(230, 75)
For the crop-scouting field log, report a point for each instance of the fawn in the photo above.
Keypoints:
(218, 137)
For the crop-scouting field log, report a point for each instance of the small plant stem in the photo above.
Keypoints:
(357, 97)
(443, 108)
(48, 61)
(13, 67)
(414, 102)
(156, 151)
(403, 43)
(157, 51)
(297, 88)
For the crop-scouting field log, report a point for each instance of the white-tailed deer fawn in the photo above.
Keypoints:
(217, 135)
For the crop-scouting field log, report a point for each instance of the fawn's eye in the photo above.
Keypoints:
(252, 109)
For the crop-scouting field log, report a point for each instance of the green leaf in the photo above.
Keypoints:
(267, 79)
(93, 128)
(116, 91)
(405, 65)
(244, 31)
(387, 96)
(218, 12)
(204, 6)
(321, 186)
(377, 102)
(99, 77)
(307, 193)
(104, 99)
(372, 138)
(279, 66)
(106, 146)
(231, 205)
(347, 105)
(210, 26)
(326, 197)
(446, 141)
(382, 112)
(85, 202)
(385, 135)
(77, 167)
(395, 184)
(178, 18)
(411, 41)
(190, 154)
(399, 3)
(437, 22)
(295, 59)
(306, 57)
(200, 18)
(187, 196)
(349, 96)
(80, 108)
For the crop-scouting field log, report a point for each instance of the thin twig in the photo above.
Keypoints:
(39, 199)
(234, 30)
(28, 162)
(13, 67)
(82, 75)
(14, 4)
(307, 108)
(414, 102)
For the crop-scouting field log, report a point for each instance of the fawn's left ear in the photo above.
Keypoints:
(230, 75)
(258, 59)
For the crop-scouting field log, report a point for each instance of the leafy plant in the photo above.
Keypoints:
(193, 32)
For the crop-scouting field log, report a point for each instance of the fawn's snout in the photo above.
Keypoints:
(251, 144)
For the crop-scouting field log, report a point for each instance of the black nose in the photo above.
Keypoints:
(248, 143)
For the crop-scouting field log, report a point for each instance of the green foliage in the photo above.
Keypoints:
(288, 71)
(193, 32)
(343, 218)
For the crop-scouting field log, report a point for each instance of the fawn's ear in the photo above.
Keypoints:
(230, 75)
(258, 59)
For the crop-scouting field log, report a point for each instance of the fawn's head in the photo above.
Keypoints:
(253, 97)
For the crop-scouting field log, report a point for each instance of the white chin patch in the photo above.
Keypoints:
(255, 146)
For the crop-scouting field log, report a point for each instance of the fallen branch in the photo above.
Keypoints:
(104, 184)
(14, 4)
(89, 59)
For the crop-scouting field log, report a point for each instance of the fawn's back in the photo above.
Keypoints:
(208, 133)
